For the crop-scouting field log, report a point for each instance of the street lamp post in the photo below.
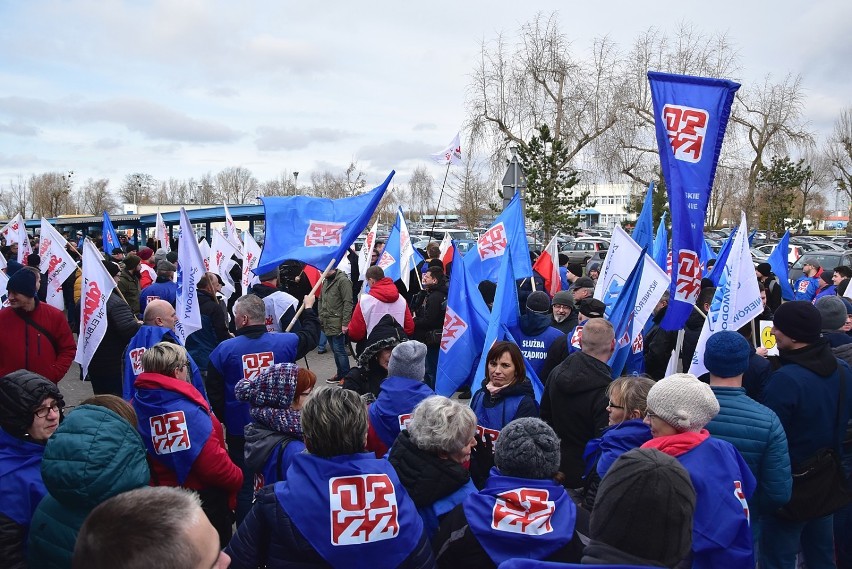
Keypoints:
(296, 183)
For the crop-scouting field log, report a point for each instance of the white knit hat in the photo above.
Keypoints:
(683, 401)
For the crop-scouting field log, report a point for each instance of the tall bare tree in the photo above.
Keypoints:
(50, 194)
(15, 199)
(94, 197)
(236, 185)
(474, 194)
(137, 188)
(419, 194)
(839, 153)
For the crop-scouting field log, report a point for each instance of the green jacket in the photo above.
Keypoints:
(92, 456)
(336, 304)
(129, 286)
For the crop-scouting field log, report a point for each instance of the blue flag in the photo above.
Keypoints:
(690, 115)
(622, 317)
(707, 255)
(399, 256)
(313, 230)
(110, 237)
(643, 233)
(465, 322)
(505, 314)
(751, 237)
(778, 261)
(661, 244)
(507, 232)
(722, 259)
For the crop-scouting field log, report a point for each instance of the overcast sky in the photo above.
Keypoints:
(181, 88)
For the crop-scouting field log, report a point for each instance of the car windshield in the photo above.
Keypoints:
(824, 259)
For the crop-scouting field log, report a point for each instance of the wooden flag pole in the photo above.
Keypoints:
(331, 264)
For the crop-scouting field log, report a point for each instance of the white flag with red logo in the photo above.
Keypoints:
(231, 233)
(190, 270)
(161, 234)
(251, 258)
(4, 282)
(365, 255)
(56, 263)
(94, 293)
(221, 251)
(16, 232)
(204, 247)
(451, 154)
(547, 265)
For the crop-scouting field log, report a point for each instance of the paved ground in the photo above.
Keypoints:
(76, 391)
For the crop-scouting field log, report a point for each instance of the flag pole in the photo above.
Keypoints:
(440, 195)
(331, 264)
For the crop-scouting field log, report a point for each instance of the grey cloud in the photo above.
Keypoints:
(424, 126)
(107, 143)
(270, 138)
(391, 154)
(19, 128)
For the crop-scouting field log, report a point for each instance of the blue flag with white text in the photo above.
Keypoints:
(643, 232)
(661, 244)
(507, 233)
(690, 116)
(110, 237)
(314, 230)
(778, 261)
(623, 315)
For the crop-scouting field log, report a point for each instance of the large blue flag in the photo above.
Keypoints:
(507, 232)
(399, 256)
(778, 261)
(623, 315)
(690, 115)
(465, 323)
(643, 233)
(721, 259)
(706, 255)
(661, 244)
(110, 237)
(313, 230)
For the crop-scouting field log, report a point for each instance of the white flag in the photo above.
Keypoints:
(3, 263)
(737, 299)
(56, 263)
(221, 251)
(620, 259)
(190, 270)
(451, 154)
(251, 257)
(232, 234)
(94, 293)
(4, 282)
(365, 255)
(204, 247)
(161, 234)
(16, 232)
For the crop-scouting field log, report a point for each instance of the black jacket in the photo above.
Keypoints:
(574, 404)
(369, 375)
(106, 365)
(566, 325)
(214, 329)
(425, 476)
(691, 333)
(659, 345)
(429, 315)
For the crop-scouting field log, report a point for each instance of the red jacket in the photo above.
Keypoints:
(24, 346)
(213, 468)
(384, 291)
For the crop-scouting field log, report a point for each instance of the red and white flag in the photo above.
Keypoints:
(451, 154)
(446, 248)
(204, 247)
(365, 255)
(94, 293)
(231, 233)
(190, 269)
(56, 263)
(547, 265)
(221, 251)
(161, 234)
(16, 232)
(251, 257)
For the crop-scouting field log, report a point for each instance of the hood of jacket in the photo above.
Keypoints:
(533, 324)
(385, 290)
(387, 333)
(426, 477)
(581, 372)
(816, 357)
(93, 455)
(259, 444)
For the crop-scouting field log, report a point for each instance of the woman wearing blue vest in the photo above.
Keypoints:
(506, 394)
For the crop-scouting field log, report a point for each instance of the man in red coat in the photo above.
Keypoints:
(36, 336)
(383, 298)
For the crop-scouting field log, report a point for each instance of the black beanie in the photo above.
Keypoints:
(764, 269)
(799, 320)
(487, 289)
(21, 393)
(646, 485)
(23, 282)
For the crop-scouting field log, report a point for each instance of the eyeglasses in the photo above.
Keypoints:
(43, 412)
(612, 405)
(650, 414)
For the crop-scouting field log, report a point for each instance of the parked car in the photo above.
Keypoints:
(826, 260)
(583, 249)
(794, 253)
(758, 256)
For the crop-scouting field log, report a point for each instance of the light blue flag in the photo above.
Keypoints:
(778, 261)
(643, 233)
(623, 317)
(110, 237)
(722, 259)
(707, 255)
(465, 323)
(313, 230)
(507, 233)
(661, 244)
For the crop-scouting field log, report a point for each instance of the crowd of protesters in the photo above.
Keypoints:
(226, 451)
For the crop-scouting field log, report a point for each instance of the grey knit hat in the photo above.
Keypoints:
(527, 448)
(647, 485)
(160, 255)
(408, 359)
(564, 298)
(833, 312)
(683, 401)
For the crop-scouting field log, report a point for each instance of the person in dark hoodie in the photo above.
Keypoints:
(534, 333)
(833, 313)
(694, 324)
(372, 369)
(431, 306)
(164, 288)
(280, 306)
(825, 286)
(768, 279)
(214, 324)
(561, 348)
(575, 401)
(274, 435)
(659, 343)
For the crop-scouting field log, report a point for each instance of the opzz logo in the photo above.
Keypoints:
(169, 433)
(363, 509)
(688, 276)
(136, 360)
(577, 337)
(404, 420)
(492, 434)
(492, 243)
(386, 260)
(454, 328)
(523, 510)
(323, 234)
(638, 343)
(686, 128)
(255, 364)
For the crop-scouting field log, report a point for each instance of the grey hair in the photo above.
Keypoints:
(138, 529)
(251, 306)
(441, 425)
(164, 358)
(334, 421)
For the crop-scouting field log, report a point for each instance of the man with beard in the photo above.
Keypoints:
(564, 311)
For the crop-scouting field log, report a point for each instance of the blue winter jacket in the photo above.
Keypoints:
(757, 433)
